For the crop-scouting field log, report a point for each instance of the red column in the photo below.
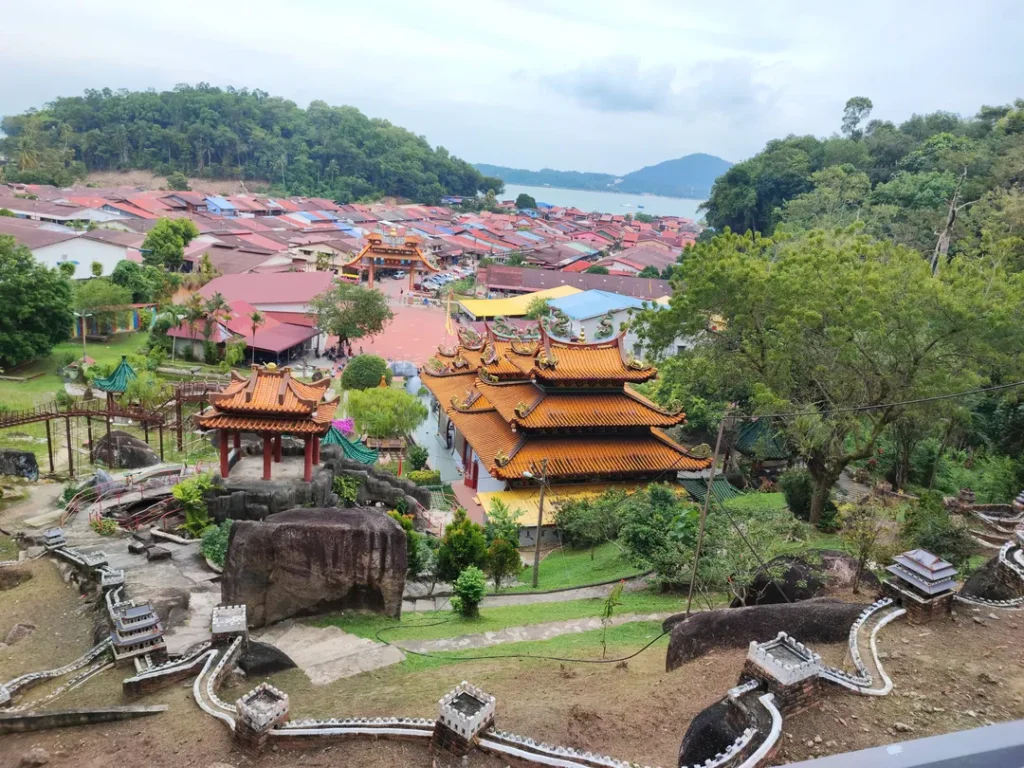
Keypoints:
(307, 453)
(267, 450)
(237, 445)
(223, 443)
(369, 282)
(277, 449)
(316, 450)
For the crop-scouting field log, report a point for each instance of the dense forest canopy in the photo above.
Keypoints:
(334, 152)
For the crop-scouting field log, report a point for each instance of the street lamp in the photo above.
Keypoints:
(83, 315)
(543, 480)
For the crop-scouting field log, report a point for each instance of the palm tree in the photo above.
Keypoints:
(194, 313)
(216, 309)
(257, 319)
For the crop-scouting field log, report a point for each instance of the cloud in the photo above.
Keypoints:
(616, 84)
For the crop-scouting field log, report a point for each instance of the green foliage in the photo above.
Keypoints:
(104, 526)
(463, 545)
(525, 201)
(798, 488)
(96, 268)
(643, 218)
(147, 284)
(425, 476)
(103, 299)
(503, 562)
(36, 305)
(613, 601)
(597, 270)
(190, 494)
(147, 390)
(165, 243)
(417, 551)
(502, 523)
(417, 456)
(210, 352)
(63, 399)
(468, 590)
(862, 525)
(351, 312)
(364, 372)
(214, 545)
(588, 523)
(650, 271)
(537, 308)
(178, 182)
(7, 212)
(234, 352)
(659, 532)
(385, 412)
(347, 488)
(929, 526)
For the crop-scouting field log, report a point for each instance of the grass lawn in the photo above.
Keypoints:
(751, 502)
(431, 626)
(566, 568)
(8, 549)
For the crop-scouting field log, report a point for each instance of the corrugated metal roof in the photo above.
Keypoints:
(594, 303)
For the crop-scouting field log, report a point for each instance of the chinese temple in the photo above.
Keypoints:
(509, 399)
(393, 251)
(271, 403)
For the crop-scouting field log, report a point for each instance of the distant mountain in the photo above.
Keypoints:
(689, 176)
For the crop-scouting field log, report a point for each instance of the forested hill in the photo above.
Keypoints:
(334, 152)
(939, 182)
(689, 176)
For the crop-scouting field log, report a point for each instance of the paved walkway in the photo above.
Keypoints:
(525, 598)
(526, 633)
(327, 654)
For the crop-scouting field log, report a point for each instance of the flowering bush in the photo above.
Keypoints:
(345, 426)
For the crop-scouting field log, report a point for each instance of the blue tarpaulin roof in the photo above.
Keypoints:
(594, 303)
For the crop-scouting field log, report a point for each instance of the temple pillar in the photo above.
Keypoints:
(267, 454)
(370, 276)
(307, 456)
(237, 444)
(316, 450)
(222, 443)
(412, 278)
(277, 449)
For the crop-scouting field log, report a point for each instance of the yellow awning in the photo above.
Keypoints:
(527, 500)
(514, 306)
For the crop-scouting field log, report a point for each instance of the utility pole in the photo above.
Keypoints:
(83, 315)
(540, 521)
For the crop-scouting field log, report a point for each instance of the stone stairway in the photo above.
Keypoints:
(327, 654)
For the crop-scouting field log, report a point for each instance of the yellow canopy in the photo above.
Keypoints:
(514, 306)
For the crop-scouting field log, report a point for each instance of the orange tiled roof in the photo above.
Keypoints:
(444, 388)
(319, 424)
(592, 362)
(389, 248)
(274, 392)
(487, 432)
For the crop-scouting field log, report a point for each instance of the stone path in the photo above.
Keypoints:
(327, 654)
(526, 633)
(523, 598)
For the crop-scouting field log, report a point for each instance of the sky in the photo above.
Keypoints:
(590, 85)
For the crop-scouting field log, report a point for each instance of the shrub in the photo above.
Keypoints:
(929, 526)
(191, 496)
(346, 487)
(425, 476)
(214, 544)
(463, 545)
(210, 353)
(797, 487)
(417, 456)
(63, 399)
(386, 412)
(417, 552)
(503, 562)
(104, 526)
(469, 589)
(587, 523)
(364, 372)
(502, 523)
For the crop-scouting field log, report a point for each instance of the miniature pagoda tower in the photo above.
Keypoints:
(272, 403)
(922, 583)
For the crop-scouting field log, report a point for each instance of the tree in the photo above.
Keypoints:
(417, 456)
(164, 246)
(857, 109)
(862, 525)
(96, 268)
(502, 523)
(525, 201)
(462, 546)
(643, 218)
(36, 305)
(351, 312)
(146, 283)
(147, 390)
(468, 592)
(178, 181)
(597, 270)
(537, 308)
(835, 327)
(588, 523)
(323, 261)
(215, 310)
(385, 412)
(256, 319)
(613, 601)
(650, 271)
(365, 372)
(503, 562)
(7, 212)
(515, 259)
(67, 269)
(103, 299)
(195, 313)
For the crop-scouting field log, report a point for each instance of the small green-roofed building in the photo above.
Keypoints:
(721, 489)
(759, 441)
(118, 381)
(353, 449)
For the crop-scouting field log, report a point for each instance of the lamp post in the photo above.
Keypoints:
(543, 480)
(83, 315)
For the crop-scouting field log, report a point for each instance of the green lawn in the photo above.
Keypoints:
(623, 640)
(751, 502)
(567, 568)
(431, 626)
(8, 549)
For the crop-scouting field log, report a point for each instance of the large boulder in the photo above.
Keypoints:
(308, 561)
(821, 620)
(262, 659)
(119, 450)
(19, 464)
(788, 579)
(993, 581)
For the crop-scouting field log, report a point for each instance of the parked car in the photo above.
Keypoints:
(400, 274)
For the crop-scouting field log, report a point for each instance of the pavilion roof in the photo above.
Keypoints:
(270, 391)
(393, 247)
(353, 449)
(319, 423)
(119, 380)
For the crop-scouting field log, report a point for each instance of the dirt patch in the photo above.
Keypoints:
(12, 577)
(141, 179)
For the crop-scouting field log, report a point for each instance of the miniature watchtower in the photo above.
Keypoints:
(259, 712)
(922, 583)
(788, 668)
(461, 716)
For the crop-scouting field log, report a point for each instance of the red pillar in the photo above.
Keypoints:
(223, 443)
(369, 283)
(277, 449)
(316, 450)
(237, 445)
(267, 449)
(307, 453)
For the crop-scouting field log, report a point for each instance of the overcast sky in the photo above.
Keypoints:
(590, 85)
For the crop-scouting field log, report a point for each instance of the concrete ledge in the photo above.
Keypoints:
(65, 718)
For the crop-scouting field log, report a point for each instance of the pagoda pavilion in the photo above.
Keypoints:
(117, 382)
(393, 251)
(514, 400)
(270, 403)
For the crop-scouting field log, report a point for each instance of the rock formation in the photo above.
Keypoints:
(308, 561)
(792, 579)
(820, 620)
(19, 464)
(123, 451)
